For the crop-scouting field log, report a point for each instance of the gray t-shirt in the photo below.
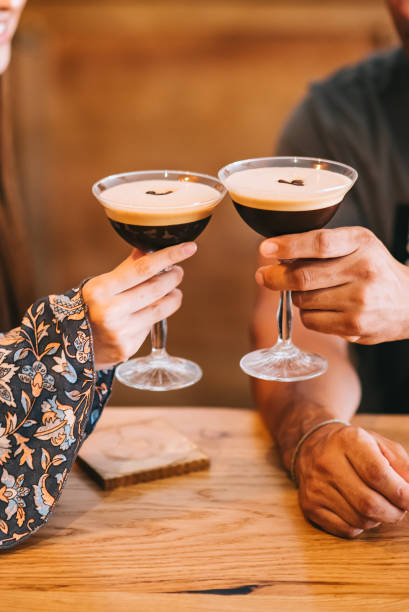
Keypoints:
(360, 116)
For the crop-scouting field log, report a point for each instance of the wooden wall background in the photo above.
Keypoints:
(102, 87)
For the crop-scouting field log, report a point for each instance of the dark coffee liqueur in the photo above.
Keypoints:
(155, 237)
(154, 214)
(270, 223)
(281, 200)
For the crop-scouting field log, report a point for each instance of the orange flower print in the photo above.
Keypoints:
(12, 493)
(63, 367)
(58, 424)
(63, 307)
(82, 344)
(7, 372)
(37, 376)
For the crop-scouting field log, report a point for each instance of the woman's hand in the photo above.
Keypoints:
(10, 15)
(351, 480)
(344, 282)
(124, 304)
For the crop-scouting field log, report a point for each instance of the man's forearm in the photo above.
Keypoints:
(291, 409)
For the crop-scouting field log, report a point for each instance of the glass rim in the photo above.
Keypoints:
(350, 169)
(97, 192)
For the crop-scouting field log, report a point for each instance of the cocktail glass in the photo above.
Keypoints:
(286, 195)
(170, 210)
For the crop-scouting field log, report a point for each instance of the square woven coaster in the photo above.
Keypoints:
(139, 452)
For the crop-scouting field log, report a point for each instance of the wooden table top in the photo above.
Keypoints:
(229, 539)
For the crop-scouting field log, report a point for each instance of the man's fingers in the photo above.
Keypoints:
(378, 474)
(331, 522)
(305, 275)
(337, 323)
(317, 244)
(334, 299)
(136, 270)
(337, 503)
(352, 326)
(367, 501)
(331, 499)
(395, 454)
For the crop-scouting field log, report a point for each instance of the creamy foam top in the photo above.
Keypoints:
(159, 202)
(312, 188)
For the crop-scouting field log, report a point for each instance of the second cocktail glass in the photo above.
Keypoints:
(152, 210)
(286, 195)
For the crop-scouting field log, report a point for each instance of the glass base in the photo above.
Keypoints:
(285, 363)
(158, 372)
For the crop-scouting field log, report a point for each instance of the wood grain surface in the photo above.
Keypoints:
(230, 539)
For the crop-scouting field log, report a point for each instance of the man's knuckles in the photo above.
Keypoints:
(369, 507)
(337, 526)
(354, 323)
(300, 278)
(323, 244)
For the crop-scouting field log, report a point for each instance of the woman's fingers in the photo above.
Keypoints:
(147, 293)
(12, 4)
(162, 309)
(136, 270)
(142, 321)
(124, 337)
(124, 303)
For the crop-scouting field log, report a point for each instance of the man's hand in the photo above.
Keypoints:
(124, 304)
(351, 480)
(344, 282)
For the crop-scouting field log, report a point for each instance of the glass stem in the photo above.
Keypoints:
(159, 334)
(285, 318)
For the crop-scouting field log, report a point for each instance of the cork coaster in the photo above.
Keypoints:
(139, 452)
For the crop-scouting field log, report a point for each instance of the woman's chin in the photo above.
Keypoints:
(4, 56)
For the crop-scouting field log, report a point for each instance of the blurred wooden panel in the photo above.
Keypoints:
(104, 87)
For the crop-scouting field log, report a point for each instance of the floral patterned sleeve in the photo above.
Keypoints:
(50, 400)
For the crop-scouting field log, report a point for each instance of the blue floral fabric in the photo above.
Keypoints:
(50, 400)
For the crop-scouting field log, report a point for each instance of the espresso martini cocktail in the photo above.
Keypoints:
(277, 196)
(154, 214)
(287, 200)
(152, 210)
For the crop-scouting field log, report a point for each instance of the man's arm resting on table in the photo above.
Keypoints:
(349, 479)
(291, 409)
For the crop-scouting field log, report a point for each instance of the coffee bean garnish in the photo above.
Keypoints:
(158, 192)
(297, 182)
